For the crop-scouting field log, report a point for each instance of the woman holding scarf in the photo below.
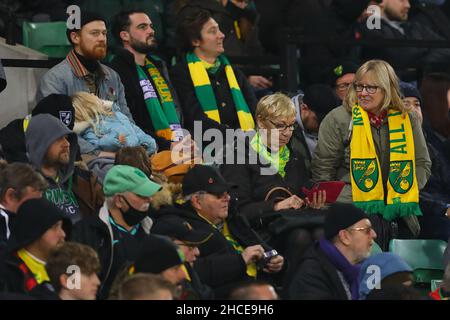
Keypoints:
(211, 91)
(374, 144)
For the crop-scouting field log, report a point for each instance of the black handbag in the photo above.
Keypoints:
(278, 222)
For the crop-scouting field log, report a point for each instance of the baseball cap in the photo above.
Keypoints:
(342, 69)
(175, 227)
(122, 178)
(205, 178)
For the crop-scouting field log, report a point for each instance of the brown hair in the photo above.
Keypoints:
(140, 284)
(19, 176)
(135, 157)
(71, 254)
(434, 90)
(190, 23)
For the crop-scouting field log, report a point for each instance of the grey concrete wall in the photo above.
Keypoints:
(17, 100)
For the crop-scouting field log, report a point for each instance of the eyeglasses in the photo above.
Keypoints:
(343, 86)
(369, 89)
(365, 230)
(282, 127)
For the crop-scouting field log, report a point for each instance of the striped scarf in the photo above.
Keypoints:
(402, 198)
(162, 111)
(205, 93)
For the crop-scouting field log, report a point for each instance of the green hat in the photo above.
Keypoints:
(122, 178)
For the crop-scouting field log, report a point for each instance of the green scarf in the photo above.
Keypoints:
(278, 159)
(162, 113)
(205, 93)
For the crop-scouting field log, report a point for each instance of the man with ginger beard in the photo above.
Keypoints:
(81, 70)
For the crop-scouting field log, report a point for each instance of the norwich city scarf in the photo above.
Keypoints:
(278, 160)
(205, 93)
(251, 267)
(367, 184)
(162, 113)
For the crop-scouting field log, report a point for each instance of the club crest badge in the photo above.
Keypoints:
(401, 175)
(65, 117)
(365, 173)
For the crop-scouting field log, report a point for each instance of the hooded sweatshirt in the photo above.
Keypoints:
(43, 131)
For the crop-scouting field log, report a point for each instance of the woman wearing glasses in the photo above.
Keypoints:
(377, 146)
(267, 161)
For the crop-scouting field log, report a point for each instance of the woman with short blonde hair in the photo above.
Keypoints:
(277, 105)
(273, 183)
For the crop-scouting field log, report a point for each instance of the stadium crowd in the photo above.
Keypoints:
(139, 176)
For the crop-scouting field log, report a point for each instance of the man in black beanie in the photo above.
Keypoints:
(82, 71)
(39, 228)
(12, 137)
(329, 271)
(159, 255)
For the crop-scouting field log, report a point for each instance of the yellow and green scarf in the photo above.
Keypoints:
(251, 268)
(367, 184)
(162, 112)
(277, 159)
(205, 93)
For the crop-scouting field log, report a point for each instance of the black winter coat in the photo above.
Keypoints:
(219, 264)
(253, 186)
(12, 279)
(124, 64)
(316, 278)
(191, 108)
(95, 232)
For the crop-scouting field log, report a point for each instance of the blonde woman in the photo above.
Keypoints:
(277, 165)
(100, 123)
(377, 147)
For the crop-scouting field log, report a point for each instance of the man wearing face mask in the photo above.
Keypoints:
(122, 223)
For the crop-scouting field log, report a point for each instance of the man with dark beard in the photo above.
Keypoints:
(81, 70)
(148, 90)
(51, 149)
